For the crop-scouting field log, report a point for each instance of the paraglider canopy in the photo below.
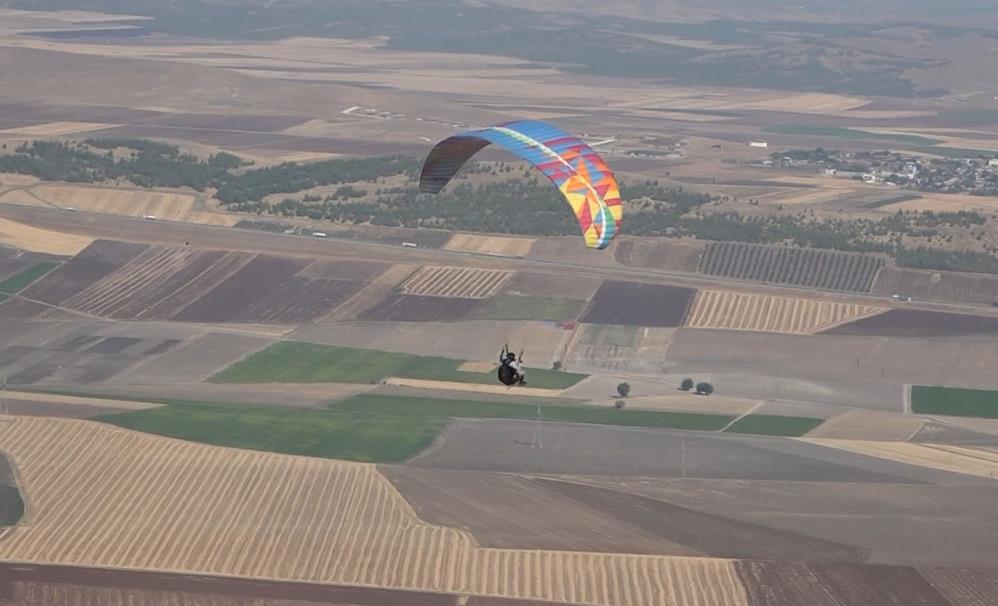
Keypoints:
(579, 172)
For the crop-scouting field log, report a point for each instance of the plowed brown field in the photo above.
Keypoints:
(106, 497)
(792, 315)
(458, 282)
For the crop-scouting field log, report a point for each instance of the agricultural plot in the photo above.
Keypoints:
(19, 281)
(795, 583)
(919, 323)
(235, 295)
(954, 401)
(774, 425)
(965, 587)
(190, 284)
(11, 504)
(551, 285)
(455, 282)
(170, 206)
(490, 245)
(823, 269)
(955, 459)
(618, 348)
(298, 300)
(516, 307)
(764, 313)
(343, 269)
(412, 308)
(941, 286)
(637, 304)
(26, 237)
(668, 255)
(111, 498)
(99, 260)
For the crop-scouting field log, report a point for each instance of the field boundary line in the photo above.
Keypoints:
(757, 406)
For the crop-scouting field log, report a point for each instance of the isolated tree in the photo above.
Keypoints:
(556, 365)
(623, 389)
(618, 404)
(687, 384)
(705, 389)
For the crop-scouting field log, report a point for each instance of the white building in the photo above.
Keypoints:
(760, 144)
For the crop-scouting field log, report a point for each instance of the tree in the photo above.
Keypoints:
(619, 404)
(556, 365)
(705, 389)
(623, 389)
(687, 384)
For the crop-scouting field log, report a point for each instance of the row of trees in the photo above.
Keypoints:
(702, 388)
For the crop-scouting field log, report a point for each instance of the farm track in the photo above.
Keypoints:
(824, 269)
(455, 282)
(765, 313)
(106, 497)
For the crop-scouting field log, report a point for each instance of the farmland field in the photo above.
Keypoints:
(11, 504)
(22, 279)
(294, 362)
(310, 432)
(498, 245)
(674, 256)
(455, 282)
(26, 237)
(422, 407)
(100, 259)
(965, 587)
(112, 498)
(954, 401)
(637, 304)
(918, 323)
(413, 308)
(823, 269)
(515, 307)
(772, 425)
(552, 285)
(793, 315)
(947, 286)
(955, 459)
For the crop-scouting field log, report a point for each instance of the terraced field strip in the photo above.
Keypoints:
(147, 270)
(105, 497)
(956, 459)
(456, 282)
(765, 313)
(825, 269)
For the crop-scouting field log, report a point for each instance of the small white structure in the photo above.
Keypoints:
(409, 244)
(759, 144)
(993, 162)
(318, 234)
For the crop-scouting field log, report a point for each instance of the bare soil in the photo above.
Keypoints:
(412, 308)
(946, 286)
(97, 261)
(637, 304)
(918, 323)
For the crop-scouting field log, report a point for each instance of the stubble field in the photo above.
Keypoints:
(455, 282)
(791, 315)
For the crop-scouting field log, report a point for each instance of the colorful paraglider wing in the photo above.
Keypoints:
(582, 176)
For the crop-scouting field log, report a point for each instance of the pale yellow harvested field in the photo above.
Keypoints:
(498, 245)
(131, 202)
(102, 496)
(460, 282)
(474, 387)
(956, 459)
(55, 129)
(792, 315)
(869, 425)
(799, 198)
(30, 238)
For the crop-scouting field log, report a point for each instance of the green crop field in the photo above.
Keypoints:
(954, 401)
(418, 408)
(773, 425)
(294, 362)
(515, 307)
(23, 278)
(351, 435)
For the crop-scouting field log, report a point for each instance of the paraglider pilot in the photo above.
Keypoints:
(510, 370)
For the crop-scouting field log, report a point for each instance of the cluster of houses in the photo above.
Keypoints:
(948, 175)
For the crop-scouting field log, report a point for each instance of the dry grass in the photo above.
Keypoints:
(34, 239)
(102, 496)
(498, 245)
(789, 315)
(456, 282)
(165, 205)
(78, 400)
(956, 459)
(49, 594)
